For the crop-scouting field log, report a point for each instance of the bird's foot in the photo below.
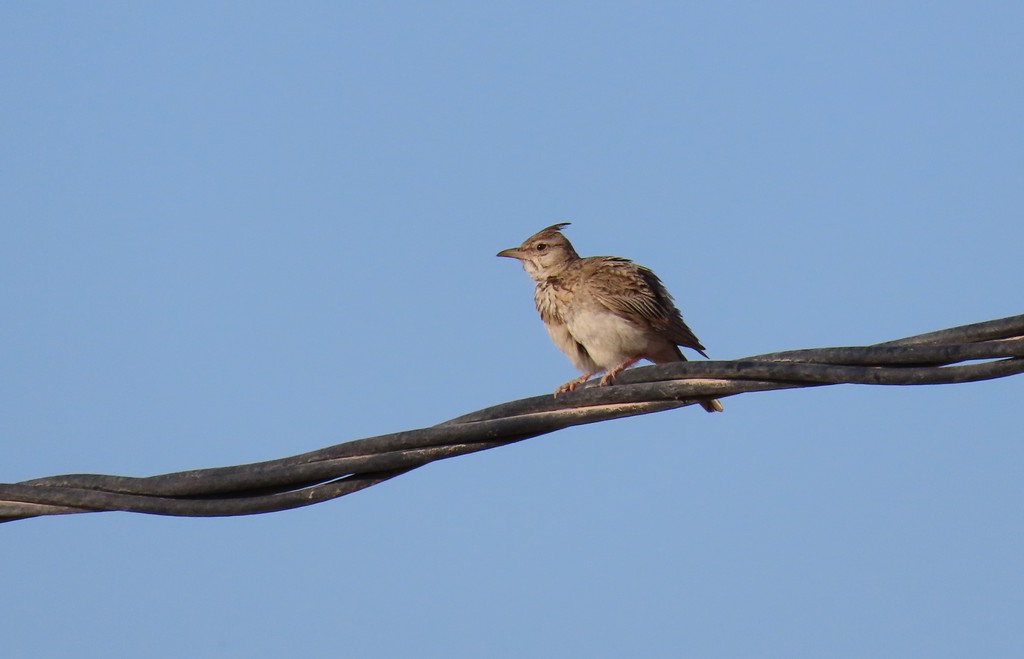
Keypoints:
(609, 377)
(572, 384)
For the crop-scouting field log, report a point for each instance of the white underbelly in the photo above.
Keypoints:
(611, 339)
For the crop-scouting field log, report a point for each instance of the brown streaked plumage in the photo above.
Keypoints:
(604, 312)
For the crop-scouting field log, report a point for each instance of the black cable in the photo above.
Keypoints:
(994, 349)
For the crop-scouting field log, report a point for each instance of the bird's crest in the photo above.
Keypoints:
(548, 231)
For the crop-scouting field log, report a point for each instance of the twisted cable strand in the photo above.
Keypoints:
(994, 349)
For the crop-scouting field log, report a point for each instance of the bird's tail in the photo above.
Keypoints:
(713, 405)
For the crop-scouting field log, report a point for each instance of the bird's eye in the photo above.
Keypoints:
(541, 247)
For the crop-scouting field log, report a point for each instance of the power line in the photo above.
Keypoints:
(982, 351)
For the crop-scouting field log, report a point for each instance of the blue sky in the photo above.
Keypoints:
(238, 231)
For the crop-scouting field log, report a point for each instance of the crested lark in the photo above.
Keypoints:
(606, 313)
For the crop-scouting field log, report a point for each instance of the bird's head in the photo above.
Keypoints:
(544, 253)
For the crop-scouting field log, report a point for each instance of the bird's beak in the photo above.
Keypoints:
(511, 252)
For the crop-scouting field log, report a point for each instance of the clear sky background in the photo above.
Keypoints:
(234, 231)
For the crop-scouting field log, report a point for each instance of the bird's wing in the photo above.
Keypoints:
(635, 292)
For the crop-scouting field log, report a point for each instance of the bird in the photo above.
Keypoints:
(605, 313)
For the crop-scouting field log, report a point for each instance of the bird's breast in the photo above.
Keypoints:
(553, 299)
